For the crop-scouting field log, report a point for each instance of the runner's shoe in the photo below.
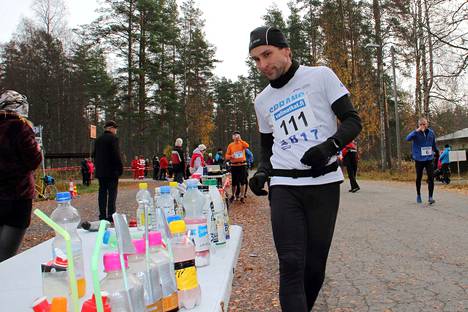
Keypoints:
(418, 199)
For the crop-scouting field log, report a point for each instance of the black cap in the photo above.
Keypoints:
(267, 35)
(236, 132)
(110, 123)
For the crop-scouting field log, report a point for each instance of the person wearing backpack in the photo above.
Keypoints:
(178, 163)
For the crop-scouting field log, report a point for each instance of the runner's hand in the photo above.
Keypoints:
(318, 156)
(257, 184)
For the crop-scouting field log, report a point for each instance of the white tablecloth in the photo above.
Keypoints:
(21, 281)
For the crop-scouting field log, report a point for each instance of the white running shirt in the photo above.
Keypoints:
(299, 115)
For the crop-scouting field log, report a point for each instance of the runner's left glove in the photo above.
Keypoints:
(318, 156)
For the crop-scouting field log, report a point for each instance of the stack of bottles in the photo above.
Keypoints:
(183, 227)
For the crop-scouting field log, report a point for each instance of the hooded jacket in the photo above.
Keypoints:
(19, 157)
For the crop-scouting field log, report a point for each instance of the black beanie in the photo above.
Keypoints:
(266, 35)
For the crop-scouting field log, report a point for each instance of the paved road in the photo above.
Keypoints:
(391, 254)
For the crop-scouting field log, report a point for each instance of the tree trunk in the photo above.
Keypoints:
(430, 79)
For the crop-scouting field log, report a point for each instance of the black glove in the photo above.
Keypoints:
(318, 156)
(257, 183)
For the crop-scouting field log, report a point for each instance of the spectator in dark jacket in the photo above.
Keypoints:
(350, 160)
(155, 167)
(108, 169)
(178, 161)
(20, 155)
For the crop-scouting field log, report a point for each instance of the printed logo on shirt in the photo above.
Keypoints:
(287, 100)
(295, 122)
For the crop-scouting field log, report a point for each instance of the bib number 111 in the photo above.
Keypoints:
(292, 121)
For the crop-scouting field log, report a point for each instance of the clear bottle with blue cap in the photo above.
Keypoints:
(165, 202)
(68, 218)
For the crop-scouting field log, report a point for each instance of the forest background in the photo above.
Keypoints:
(162, 85)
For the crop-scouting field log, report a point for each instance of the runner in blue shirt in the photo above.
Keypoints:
(423, 150)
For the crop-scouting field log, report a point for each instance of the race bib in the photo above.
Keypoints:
(239, 154)
(293, 120)
(426, 151)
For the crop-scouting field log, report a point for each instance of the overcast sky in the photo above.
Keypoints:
(227, 25)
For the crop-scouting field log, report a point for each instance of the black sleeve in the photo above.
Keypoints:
(266, 144)
(350, 122)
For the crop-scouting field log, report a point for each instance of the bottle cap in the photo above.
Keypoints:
(63, 196)
(177, 226)
(112, 262)
(90, 304)
(173, 184)
(59, 304)
(173, 218)
(165, 189)
(155, 238)
(210, 182)
(192, 183)
(196, 176)
(41, 305)
(106, 237)
(143, 186)
(140, 245)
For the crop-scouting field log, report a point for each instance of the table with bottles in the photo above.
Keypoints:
(22, 281)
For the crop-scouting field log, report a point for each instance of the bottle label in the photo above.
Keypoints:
(155, 307)
(171, 302)
(199, 234)
(221, 236)
(186, 275)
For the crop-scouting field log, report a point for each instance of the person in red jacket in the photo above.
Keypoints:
(91, 169)
(163, 165)
(20, 155)
(197, 162)
(134, 166)
(141, 167)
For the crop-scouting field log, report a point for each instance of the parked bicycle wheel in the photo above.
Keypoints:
(50, 191)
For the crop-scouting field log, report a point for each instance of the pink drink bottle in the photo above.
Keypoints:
(196, 222)
(114, 286)
(148, 275)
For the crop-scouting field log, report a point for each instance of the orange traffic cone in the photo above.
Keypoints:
(75, 192)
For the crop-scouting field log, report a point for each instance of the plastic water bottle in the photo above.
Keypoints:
(166, 201)
(226, 215)
(176, 195)
(189, 291)
(207, 206)
(166, 272)
(196, 222)
(217, 231)
(68, 217)
(148, 275)
(143, 198)
(113, 284)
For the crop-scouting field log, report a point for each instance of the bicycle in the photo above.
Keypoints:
(46, 189)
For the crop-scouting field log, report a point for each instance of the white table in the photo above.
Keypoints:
(21, 281)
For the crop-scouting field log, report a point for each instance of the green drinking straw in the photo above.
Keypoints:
(71, 264)
(95, 264)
